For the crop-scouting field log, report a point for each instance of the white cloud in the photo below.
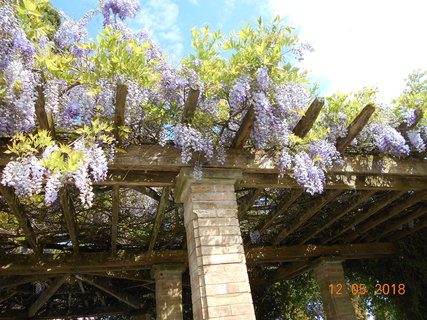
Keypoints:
(161, 18)
(360, 43)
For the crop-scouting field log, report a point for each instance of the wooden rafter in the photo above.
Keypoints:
(356, 127)
(69, 216)
(109, 288)
(362, 217)
(394, 226)
(361, 232)
(310, 116)
(89, 263)
(247, 203)
(244, 131)
(19, 212)
(46, 295)
(190, 106)
(316, 207)
(159, 217)
(71, 313)
(280, 209)
(337, 215)
(401, 234)
(291, 271)
(7, 295)
(16, 281)
(115, 209)
(119, 110)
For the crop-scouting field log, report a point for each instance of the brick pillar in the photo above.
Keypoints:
(219, 279)
(168, 291)
(336, 306)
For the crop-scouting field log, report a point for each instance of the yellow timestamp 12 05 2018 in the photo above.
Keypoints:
(360, 288)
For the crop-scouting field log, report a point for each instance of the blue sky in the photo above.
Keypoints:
(357, 43)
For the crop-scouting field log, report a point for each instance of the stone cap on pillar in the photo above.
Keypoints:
(165, 270)
(210, 176)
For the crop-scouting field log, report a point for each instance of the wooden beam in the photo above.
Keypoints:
(46, 295)
(391, 197)
(159, 217)
(247, 203)
(399, 223)
(115, 218)
(89, 263)
(398, 208)
(107, 287)
(316, 207)
(190, 106)
(18, 210)
(119, 110)
(404, 233)
(310, 116)
(139, 179)
(337, 215)
(356, 126)
(245, 129)
(69, 216)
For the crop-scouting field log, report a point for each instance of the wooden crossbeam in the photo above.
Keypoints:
(244, 131)
(159, 217)
(337, 215)
(115, 218)
(356, 127)
(336, 181)
(391, 197)
(361, 232)
(392, 227)
(119, 110)
(19, 212)
(155, 158)
(46, 295)
(404, 233)
(274, 254)
(310, 116)
(317, 206)
(89, 263)
(190, 106)
(109, 288)
(247, 203)
(69, 216)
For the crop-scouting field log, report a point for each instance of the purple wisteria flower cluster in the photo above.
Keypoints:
(389, 140)
(121, 8)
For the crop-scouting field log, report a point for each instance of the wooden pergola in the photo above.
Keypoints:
(99, 262)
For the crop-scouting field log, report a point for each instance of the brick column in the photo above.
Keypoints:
(168, 291)
(219, 279)
(336, 306)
